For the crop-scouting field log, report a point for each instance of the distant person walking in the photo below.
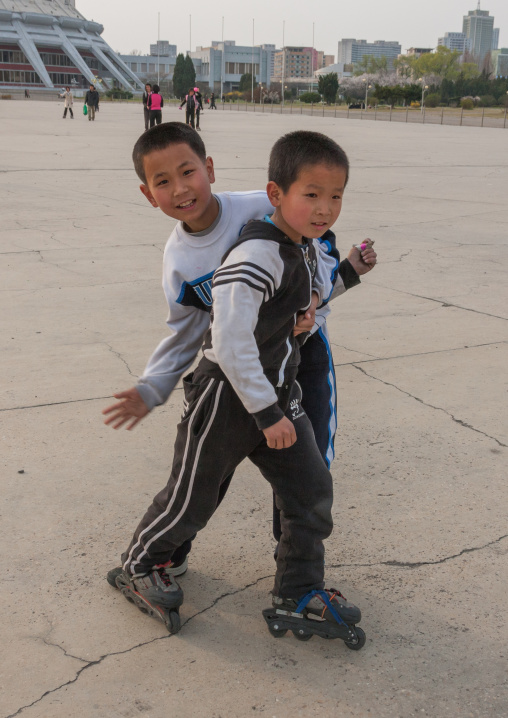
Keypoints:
(190, 109)
(155, 104)
(213, 106)
(146, 111)
(27, 94)
(68, 102)
(199, 106)
(92, 102)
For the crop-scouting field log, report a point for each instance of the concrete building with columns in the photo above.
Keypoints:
(48, 44)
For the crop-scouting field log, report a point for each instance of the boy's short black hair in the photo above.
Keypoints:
(156, 88)
(296, 150)
(161, 136)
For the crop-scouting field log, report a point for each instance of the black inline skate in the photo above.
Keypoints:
(324, 613)
(156, 594)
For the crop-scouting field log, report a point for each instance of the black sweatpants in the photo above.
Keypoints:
(155, 117)
(216, 433)
(316, 376)
(146, 113)
(189, 116)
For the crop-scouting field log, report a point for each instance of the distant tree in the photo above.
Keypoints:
(180, 85)
(135, 52)
(432, 99)
(487, 66)
(310, 97)
(328, 86)
(371, 65)
(444, 63)
(246, 82)
(403, 66)
(190, 73)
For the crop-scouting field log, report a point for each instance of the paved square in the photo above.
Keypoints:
(421, 351)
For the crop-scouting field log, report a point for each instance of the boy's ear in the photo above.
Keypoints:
(274, 193)
(145, 190)
(210, 170)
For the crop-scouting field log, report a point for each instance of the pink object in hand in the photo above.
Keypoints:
(364, 245)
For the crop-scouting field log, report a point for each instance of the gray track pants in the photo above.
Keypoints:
(216, 433)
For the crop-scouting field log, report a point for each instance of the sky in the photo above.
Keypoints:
(133, 25)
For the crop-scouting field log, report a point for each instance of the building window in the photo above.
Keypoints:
(134, 66)
(13, 56)
(55, 59)
(143, 67)
(152, 67)
(20, 77)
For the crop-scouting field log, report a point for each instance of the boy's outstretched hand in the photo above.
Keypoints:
(130, 409)
(362, 262)
(281, 435)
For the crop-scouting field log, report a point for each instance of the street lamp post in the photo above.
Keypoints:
(424, 90)
(367, 88)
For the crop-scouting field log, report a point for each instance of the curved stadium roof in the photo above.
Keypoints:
(46, 44)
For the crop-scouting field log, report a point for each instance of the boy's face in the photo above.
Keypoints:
(178, 182)
(312, 203)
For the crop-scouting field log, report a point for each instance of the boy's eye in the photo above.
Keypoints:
(337, 196)
(313, 195)
(164, 181)
(187, 172)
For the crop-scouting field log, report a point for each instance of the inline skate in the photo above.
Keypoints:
(324, 613)
(156, 594)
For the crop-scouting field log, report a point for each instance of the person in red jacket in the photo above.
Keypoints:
(155, 104)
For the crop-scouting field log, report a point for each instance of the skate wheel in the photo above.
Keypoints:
(113, 575)
(302, 635)
(276, 632)
(361, 640)
(173, 622)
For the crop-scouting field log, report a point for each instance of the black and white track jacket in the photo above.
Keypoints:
(264, 281)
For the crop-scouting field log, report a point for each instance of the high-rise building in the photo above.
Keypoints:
(418, 51)
(222, 65)
(51, 45)
(162, 48)
(352, 51)
(295, 63)
(455, 41)
(500, 62)
(478, 26)
(495, 38)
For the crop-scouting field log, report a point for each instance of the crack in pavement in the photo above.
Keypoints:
(395, 261)
(442, 302)
(338, 364)
(407, 356)
(57, 403)
(117, 354)
(419, 564)
(89, 664)
(431, 406)
(394, 564)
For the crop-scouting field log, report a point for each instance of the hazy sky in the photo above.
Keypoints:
(131, 24)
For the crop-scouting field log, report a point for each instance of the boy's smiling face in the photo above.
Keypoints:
(179, 182)
(312, 203)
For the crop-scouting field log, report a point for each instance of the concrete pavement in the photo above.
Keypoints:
(420, 350)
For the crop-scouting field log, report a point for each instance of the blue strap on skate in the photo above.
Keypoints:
(324, 597)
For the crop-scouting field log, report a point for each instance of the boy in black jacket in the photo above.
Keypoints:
(243, 401)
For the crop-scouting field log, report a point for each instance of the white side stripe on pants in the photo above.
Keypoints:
(179, 481)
